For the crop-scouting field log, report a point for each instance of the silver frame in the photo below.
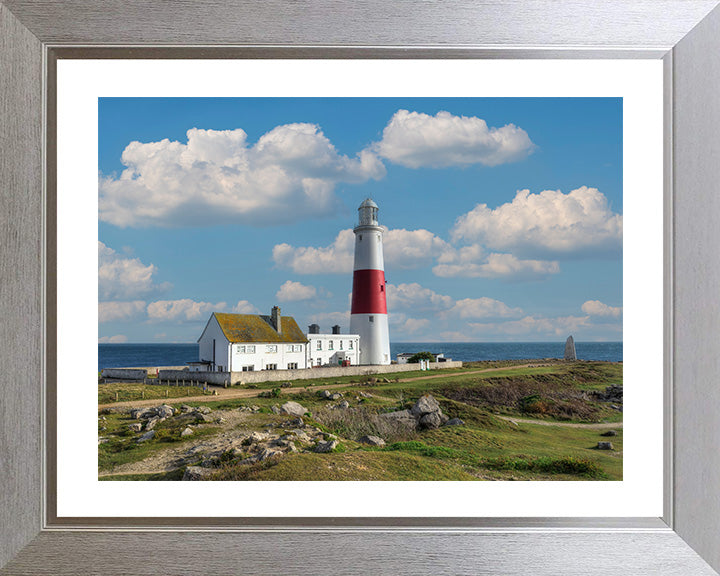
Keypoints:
(33, 35)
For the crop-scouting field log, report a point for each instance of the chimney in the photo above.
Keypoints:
(314, 329)
(276, 319)
(336, 329)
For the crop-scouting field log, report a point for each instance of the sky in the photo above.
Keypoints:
(503, 215)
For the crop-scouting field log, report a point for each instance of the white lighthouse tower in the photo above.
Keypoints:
(368, 314)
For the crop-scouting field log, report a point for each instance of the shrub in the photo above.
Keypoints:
(415, 358)
(354, 423)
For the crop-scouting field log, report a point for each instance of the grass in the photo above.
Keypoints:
(486, 447)
(128, 392)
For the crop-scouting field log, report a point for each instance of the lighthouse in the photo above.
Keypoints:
(368, 314)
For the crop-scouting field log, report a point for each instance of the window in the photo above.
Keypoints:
(359, 237)
(250, 368)
(382, 287)
(341, 347)
(292, 365)
(371, 318)
(331, 345)
(319, 345)
(271, 349)
(350, 345)
(251, 349)
(270, 366)
(318, 362)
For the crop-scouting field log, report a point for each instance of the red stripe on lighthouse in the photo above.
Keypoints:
(368, 295)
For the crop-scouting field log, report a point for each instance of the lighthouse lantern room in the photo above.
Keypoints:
(368, 314)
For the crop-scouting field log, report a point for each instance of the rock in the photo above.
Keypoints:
(203, 410)
(150, 424)
(219, 420)
(609, 433)
(605, 446)
(454, 422)
(135, 427)
(293, 408)
(187, 432)
(402, 417)
(147, 436)
(344, 405)
(257, 437)
(372, 440)
(324, 447)
(365, 395)
(325, 394)
(164, 411)
(194, 473)
(185, 408)
(206, 418)
(335, 396)
(425, 405)
(296, 423)
(267, 453)
(570, 349)
(286, 385)
(386, 380)
(141, 413)
(102, 440)
(275, 409)
(430, 421)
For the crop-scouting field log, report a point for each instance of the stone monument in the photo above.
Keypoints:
(570, 349)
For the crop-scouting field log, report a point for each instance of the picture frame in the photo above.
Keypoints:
(681, 33)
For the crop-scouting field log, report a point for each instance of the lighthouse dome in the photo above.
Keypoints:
(368, 213)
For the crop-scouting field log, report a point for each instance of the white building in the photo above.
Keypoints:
(332, 349)
(249, 342)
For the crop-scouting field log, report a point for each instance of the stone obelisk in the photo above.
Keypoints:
(570, 349)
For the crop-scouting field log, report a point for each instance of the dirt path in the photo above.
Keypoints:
(598, 426)
(231, 394)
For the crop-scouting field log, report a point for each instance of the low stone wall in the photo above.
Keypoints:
(220, 378)
(124, 373)
(170, 376)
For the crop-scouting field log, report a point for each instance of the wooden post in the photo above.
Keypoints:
(167, 392)
(116, 395)
(143, 394)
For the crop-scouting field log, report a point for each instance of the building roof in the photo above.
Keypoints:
(258, 328)
(368, 202)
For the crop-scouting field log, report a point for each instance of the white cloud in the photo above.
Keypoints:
(561, 326)
(112, 311)
(182, 310)
(411, 248)
(414, 139)
(414, 296)
(117, 339)
(471, 262)
(218, 177)
(295, 291)
(244, 307)
(124, 278)
(484, 307)
(334, 259)
(328, 319)
(580, 222)
(413, 325)
(597, 308)
(402, 249)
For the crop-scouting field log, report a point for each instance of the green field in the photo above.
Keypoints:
(524, 423)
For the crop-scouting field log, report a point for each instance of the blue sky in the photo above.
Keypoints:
(504, 215)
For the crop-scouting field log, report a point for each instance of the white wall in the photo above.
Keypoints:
(338, 352)
(261, 357)
(222, 346)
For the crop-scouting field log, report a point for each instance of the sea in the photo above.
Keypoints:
(141, 355)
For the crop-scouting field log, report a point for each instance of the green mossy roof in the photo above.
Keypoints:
(256, 328)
